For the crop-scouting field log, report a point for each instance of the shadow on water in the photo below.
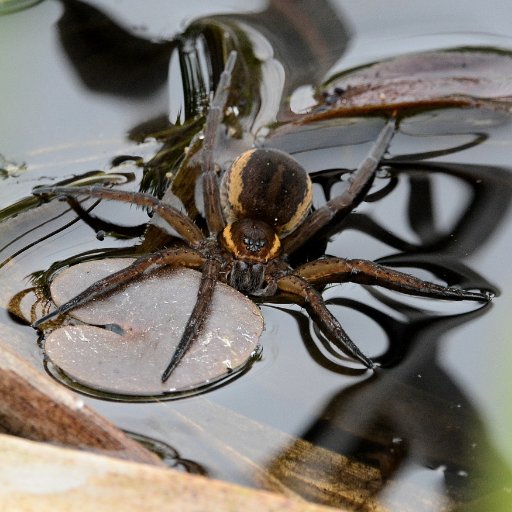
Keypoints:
(412, 412)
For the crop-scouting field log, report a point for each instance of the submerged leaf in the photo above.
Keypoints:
(457, 77)
(132, 333)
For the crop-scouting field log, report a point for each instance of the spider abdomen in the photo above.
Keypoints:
(267, 185)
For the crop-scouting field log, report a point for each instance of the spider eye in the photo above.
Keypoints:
(268, 185)
(253, 244)
(251, 241)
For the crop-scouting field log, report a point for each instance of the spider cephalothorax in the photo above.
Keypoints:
(257, 218)
(251, 240)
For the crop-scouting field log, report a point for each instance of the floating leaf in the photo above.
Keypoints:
(457, 77)
(130, 335)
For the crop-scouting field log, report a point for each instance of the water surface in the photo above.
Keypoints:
(425, 428)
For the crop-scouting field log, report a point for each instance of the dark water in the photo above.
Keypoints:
(429, 430)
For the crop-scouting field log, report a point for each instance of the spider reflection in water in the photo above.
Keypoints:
(257, 217)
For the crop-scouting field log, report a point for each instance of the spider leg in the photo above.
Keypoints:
(343, 204)
(184, 257)
(315, 306)
(212, 206)
(176, 219)
(339, 270)
(211, 269)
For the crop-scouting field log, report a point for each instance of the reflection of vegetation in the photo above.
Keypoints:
(160, 171)
(220, 36)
